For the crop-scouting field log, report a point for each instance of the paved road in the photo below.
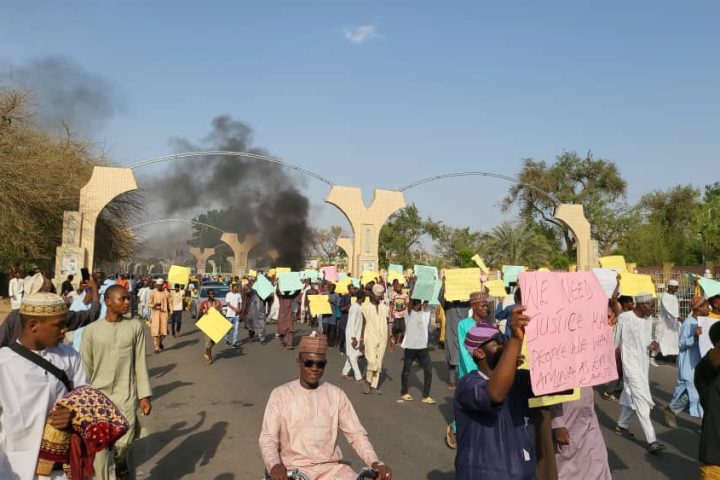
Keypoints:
(206, 419)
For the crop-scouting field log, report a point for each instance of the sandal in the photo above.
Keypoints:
(208, 358)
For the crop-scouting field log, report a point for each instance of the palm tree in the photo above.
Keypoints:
(516, 244)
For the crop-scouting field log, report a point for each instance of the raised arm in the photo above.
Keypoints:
(503, 375)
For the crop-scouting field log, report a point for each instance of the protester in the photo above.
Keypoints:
(707, 382)
(29, 387)
(353, 336)
(374, 337)
(494, 438)
(143, 297)
(11, 328)
(159, 302)
(15, 290)
(176, 299)
(415, 347)
(454, 312)
(686, 396)
(329, 322)
(633, 336)
(344, 310)
(233, 307)
(580, 447)
(668, 325)
(205, 307)
(302, 419)
(257, 316)
(113, 354)
(286, 320)
(67, 286)
(399, 302)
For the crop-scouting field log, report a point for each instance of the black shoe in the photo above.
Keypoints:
(656, 447)
(624, 432)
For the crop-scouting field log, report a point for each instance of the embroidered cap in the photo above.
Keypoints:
(314, 344)
(43, 305)
(644, 298)
(478, 335)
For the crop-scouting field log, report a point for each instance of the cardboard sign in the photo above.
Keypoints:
(461, 282)
(312, 275)
(393, 267)
(570, 343)
(263, 287)
(481, 264)
(423, 290)
(320, 305)
(511, 272)
(435, 299)
(709, 287)
(368, 277)
(393, 275)
(426, 272)
(496, 288)
(330, 273)
(289, 282)
(214, 325)
(178, 275)
(342, 285)
(616, 262)
(608, 280)
(252, 273)
(704, 340)
(633, 284)
(279, 270)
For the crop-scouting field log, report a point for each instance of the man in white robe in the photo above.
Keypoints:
(633, 335)
(353, 334)
(374, 337)
(668, 326)
(28, 391)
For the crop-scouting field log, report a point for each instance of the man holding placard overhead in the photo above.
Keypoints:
(633, 335)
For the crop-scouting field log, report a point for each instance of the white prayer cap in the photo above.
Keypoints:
(643, 298)
(673, 283)
(378, 289)
(159, 281)
(43, 305)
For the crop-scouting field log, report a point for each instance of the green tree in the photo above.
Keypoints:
(400, 237)
(455, 247)
(594, 183)
(516, 244)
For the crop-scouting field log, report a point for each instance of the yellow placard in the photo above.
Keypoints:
(543, 269)
(481, 263)
(320, 305)
(341, 286)
(496, 288)
(631, 267)
(524, 352)
(280, 270)
(368, 276)
(271, 272)
(252, 273)
(547, 400)
(178, 275)
(633, 284)
(392, 276)
(572, 268)
(214, 325)
(616, 262)
(461, 282)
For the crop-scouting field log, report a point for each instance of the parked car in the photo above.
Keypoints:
(220, 291)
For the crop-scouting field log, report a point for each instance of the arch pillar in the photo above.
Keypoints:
(201, 256)
(573, 216)
(346, 244)
(365, 222)
(240, 250)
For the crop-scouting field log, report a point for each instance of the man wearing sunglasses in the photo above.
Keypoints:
(302, 420)
(495, 438)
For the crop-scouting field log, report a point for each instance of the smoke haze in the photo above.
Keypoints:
(258, 196)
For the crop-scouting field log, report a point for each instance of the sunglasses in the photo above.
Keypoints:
(315, 363)
(499, 338)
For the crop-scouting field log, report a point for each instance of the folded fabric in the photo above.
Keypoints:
(96, 425)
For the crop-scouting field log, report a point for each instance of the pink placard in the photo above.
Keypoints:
(570, 343)
(330, 273)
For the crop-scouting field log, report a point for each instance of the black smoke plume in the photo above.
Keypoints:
(67, 96)
(254, 196)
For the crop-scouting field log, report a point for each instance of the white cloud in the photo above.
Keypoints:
(361, 33)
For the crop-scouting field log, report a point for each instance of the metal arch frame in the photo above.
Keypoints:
(255, 156)
(480, 174)
(172, 220)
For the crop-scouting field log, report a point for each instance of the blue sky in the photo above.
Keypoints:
(377, 94)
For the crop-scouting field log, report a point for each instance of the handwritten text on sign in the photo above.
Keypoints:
(570, 343)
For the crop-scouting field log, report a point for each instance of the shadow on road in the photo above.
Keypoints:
(438, 475)
(198, 447)
(159, 372)
(161, 390)
(182, 344)
(147, 447)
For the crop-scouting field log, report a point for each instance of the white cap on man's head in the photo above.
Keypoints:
(673, 283)
(159, 281)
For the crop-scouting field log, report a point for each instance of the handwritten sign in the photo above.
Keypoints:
(461, 282)
(481, 264)
(289, 281)
(510, 273)
(633, 284)
(496, 288)
(330, 273)
(608, 280)
(263, 287)
(704, 340)
(320, 305)
(426, 272)
(709, 287)
(214, 325)
(616, 262)
(178, 275)
(570, 343)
